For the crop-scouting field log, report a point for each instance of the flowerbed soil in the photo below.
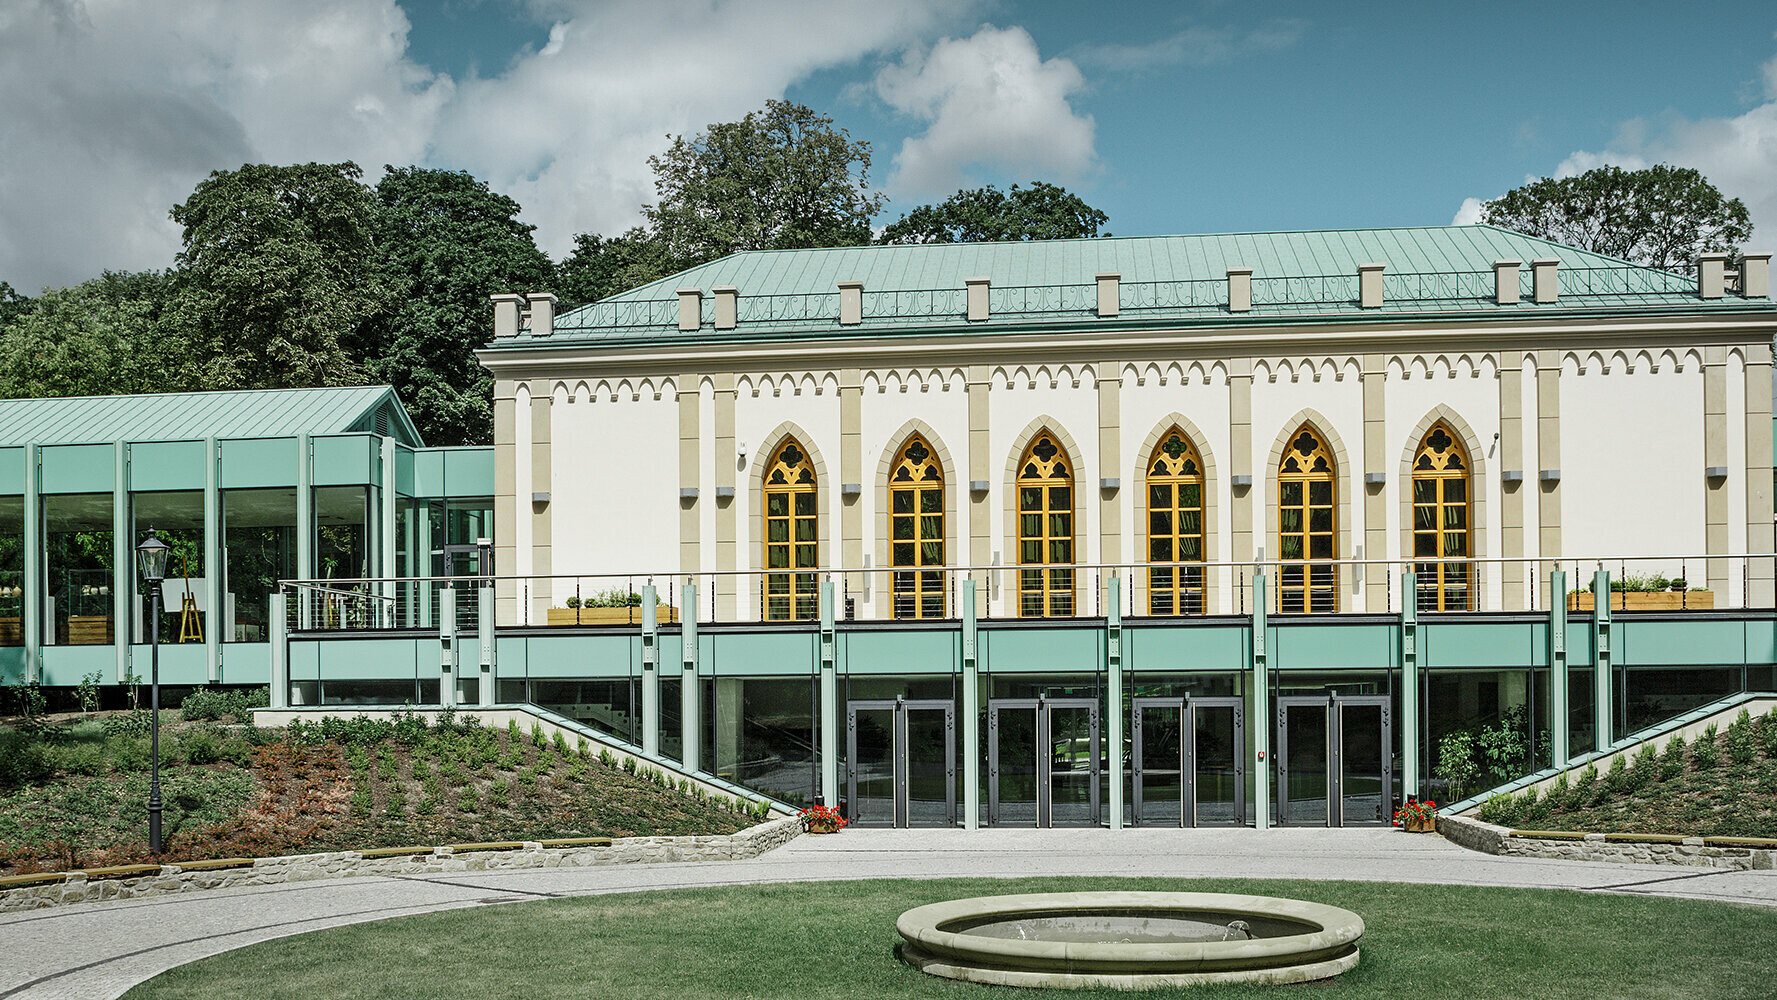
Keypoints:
(1722, 785)
(244, 792)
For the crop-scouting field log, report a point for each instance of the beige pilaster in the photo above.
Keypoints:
(1715, 455)
(1110, 521)
(851, 480)
(506, 505)
(1240, 464)
(980, 464)
(690, 448)
(727, 498)
(1375, 576)
(1548, 459)
(542, 404)
(1513, 576)
(1761, 590)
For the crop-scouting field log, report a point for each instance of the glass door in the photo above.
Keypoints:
(1216, 766)
(870, 763)
(1365, 742)
(1303, 761)
(1157, 752)
(901, 763)
(1012, 762)
(1069, 728)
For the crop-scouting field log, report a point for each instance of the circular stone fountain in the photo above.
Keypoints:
(1130, 940)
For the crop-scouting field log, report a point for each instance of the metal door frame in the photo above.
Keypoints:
(898, 710)
(1334, 707)
(1187, 707)
(1045, 771)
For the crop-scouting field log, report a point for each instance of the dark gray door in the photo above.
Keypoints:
(1045, 762)
(1335, 760)
(1189, 761)
(900, 763)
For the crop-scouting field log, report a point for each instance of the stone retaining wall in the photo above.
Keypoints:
(75, 887)
(1694, 852)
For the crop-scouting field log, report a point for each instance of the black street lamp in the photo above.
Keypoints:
(151, 560)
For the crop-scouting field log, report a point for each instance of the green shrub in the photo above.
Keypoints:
(1559, 792)
(88, 691)
(203, 705)
(499, 793)
(1740, 746)
(136, 723)
(1767, 732)
(528, 778)
(1672, 759)
(76, 758)
(537, 738)
(362, 803)
(200, 746)
(629, 764)
(1616, 779)
(1704, 755)
(513, 731)
(1646, 767)
(428, 805)
(606, 758)
(467, 801)
(1501, 810)
(237, 750)
(561, 743)
(1587, 778)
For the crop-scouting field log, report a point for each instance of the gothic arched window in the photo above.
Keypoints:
(1441, 522)
(791, 535)
(1045, 530)
(916, 530)
(1175, 526)
(1307, 525)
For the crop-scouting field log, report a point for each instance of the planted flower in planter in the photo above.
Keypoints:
(823, 819)
(1417, 815)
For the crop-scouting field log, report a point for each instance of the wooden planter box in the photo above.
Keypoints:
(12, 632)
(609, 616)
(89, 630)
(1646, 600)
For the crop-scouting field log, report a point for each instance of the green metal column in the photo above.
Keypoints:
(385, 536)
(215, 617)
(484, 634)
(36, 576)
(829, 701)
(650, 673)
(447, 647)
(1409, 684)
(1260, 726)
(690, 717)
(971, 742)
(1114, 666)
(1603, 676)
(123, 560)
(1559, 718)
(280, 654)
(305, 527)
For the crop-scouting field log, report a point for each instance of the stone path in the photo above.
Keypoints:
(99, 950)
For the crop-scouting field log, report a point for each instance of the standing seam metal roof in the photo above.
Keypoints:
(185, 416)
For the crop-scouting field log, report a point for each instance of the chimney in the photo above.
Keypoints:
(727, 306)
(851, 303)
(506, 309)
(1755, 276)
(1109, 293)
(1544, 281)
(1712, 275)
(542, 314)
(690, 309)
(1240, 289)
(1505, 282)
(1369, 285)
(977, 297)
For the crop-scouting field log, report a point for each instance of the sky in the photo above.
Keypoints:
(1193, 116)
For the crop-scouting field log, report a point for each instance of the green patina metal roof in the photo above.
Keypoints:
(1441, 269)
(184, 416)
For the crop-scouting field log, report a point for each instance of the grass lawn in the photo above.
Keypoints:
(837, 939)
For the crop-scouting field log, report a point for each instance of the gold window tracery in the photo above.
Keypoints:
(1175, 526)
(1307, 525)
(792, 535)
(1441, 522)
(1045, 530)
(916, 531)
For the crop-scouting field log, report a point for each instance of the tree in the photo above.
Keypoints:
(12, 305)
(1042, 211)
(445, 243)
(1662, 216)
(278, 269)
(603, 266)
(107, 336)
(779, 179)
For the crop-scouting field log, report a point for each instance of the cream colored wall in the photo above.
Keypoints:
(616, 488)
(1632, 461)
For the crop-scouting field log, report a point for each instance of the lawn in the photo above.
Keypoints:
(836, 940)
(74, 794)
(1724, 784)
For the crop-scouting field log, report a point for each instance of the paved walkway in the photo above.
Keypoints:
(98, 950)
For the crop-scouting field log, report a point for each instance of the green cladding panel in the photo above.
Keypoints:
(347, 460)
(258, 462)
(1579, 643)
(376, 659)
(1184, 647)
(468, 472)
(901, 651)
(1489, 644)
(12, 471)
(78, 468)
(167, 465)
(66, 665)
(1656, 644)
(406, 477)
(1044, 650)
(1324, 647)
(181, 664)
(758, 654)
(577, 656)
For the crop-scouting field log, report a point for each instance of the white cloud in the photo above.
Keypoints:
(1737, 155)
(112, 110)
(989, 100)
(1196, 46)
(1468, 214)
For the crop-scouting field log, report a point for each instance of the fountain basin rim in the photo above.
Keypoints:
(1334, 933)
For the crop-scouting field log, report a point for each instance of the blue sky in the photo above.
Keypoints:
(1172, 117)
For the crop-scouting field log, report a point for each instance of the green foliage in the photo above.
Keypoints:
(1646, 769)
(560, 743)
(1661, 216)
(1740, 746)
(601, 266)
(781, 178)
(468, 801)
(1616, 778)
(88, 691)
(203, 704)
(1040, 212)
(1767, 733)
(537, 739)
(200, 746)
(1499, 809)
(83, 758)
(1704, 755)
(606, 758)
(444, 242)
(113, 334)
(136, 723)
(127, 753)
(1469, 760)
(1672, 759)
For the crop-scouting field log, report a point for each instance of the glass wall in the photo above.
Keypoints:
(12, 571)
(760, 732)
(1479, 731)
(612, 704)
(77, 537)
(258, 549)
(345, 539)
(177, 518)
(1653, 694)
